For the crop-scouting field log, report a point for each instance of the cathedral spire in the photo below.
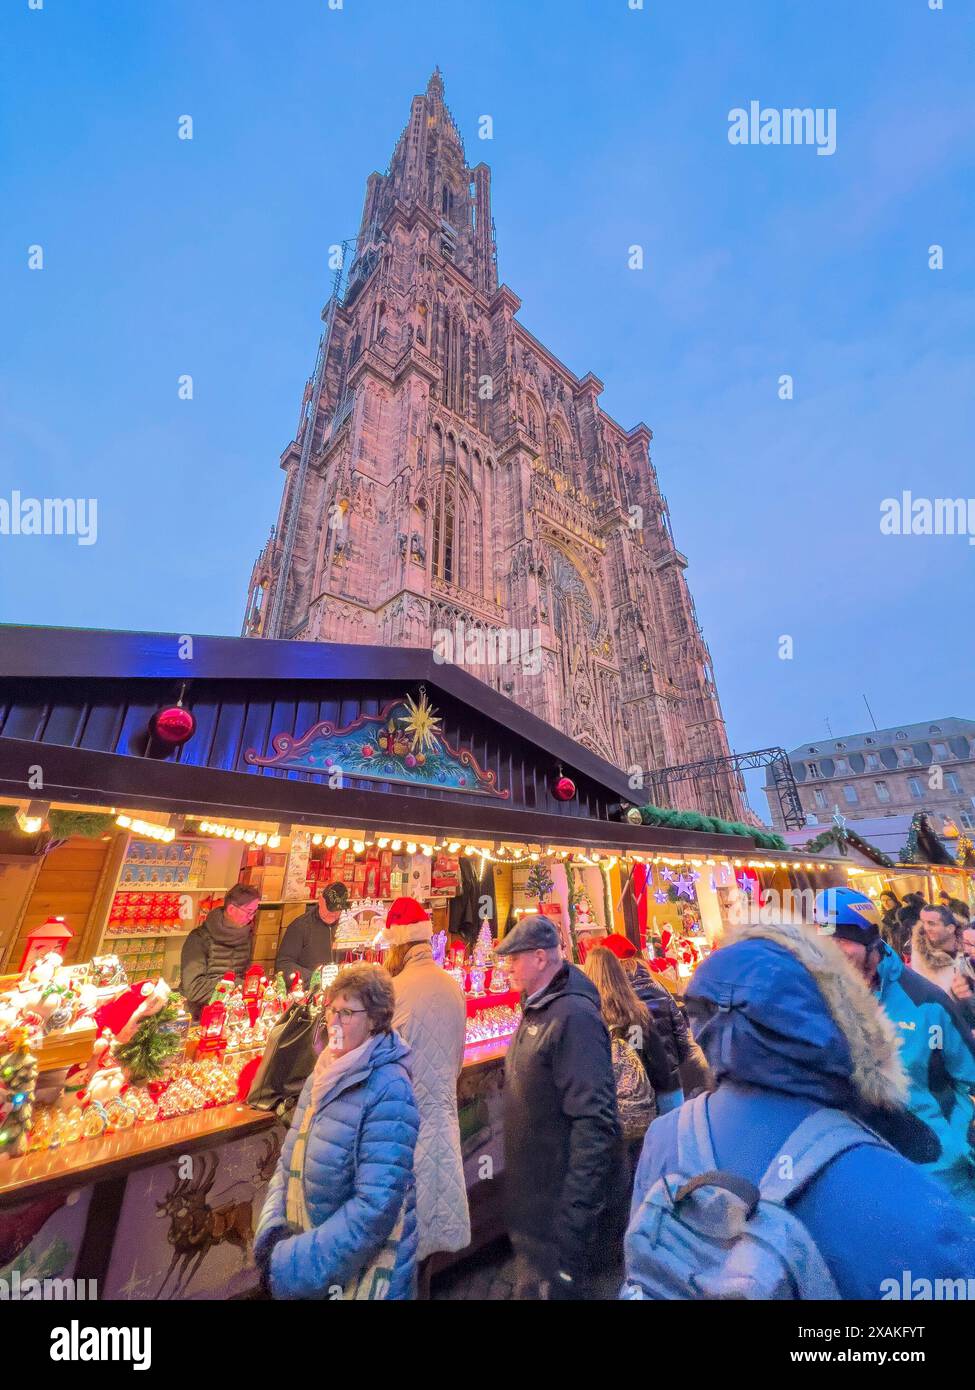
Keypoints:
(429, 168)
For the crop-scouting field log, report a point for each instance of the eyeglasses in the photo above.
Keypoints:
(343, 1015)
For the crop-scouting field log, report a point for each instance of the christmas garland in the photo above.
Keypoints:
(89, 824)
(695, 820)
(152, 1044)
(63, 824)
(923, 845)
(572, 894)
(607, 903)
(841, 836)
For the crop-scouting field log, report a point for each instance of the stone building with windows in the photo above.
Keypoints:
(452, 484)
(888, 772)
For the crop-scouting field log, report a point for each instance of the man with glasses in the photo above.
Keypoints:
(222, 945)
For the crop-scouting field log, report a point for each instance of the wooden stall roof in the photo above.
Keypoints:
(79, 701)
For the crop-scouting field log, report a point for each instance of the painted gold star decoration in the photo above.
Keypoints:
(422, 723)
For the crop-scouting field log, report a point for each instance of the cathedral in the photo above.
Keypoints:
(453, 485)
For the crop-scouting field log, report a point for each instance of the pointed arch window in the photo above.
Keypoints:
(532, 423)
(558, 450)
(456, 528)
(444, 549)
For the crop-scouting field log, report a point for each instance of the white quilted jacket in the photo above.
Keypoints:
(431, 1016)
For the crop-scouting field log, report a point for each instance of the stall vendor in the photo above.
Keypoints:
(224, 943)
(307, 943)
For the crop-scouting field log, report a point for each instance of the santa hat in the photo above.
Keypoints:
(123, 1014)
(621, 948)
(406, 923)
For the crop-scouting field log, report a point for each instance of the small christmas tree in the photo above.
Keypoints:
(539, 883)
(145, 1057)
(18, 1077)
(483, 946)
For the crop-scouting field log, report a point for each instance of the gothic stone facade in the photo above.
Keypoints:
(458, 473)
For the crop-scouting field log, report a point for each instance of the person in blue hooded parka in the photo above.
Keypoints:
(800, 1050)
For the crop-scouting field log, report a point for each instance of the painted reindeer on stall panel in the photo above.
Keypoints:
(196, 1227)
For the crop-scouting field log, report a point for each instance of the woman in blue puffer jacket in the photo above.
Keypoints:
(339, 1219)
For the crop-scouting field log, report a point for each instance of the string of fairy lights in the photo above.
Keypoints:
(368, 842)
(362, 842)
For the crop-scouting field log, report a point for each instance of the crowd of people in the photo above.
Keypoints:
(799, 1125)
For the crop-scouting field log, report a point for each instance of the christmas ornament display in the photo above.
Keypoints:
(497, 1022)
(18, 1078)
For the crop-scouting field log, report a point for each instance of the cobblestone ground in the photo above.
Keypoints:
(489, 1275)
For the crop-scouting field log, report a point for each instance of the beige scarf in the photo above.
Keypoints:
(373, 1280)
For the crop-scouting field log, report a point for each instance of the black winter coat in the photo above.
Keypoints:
(306, 944)
(566, 1189)
(204, 962)
(670, 1023)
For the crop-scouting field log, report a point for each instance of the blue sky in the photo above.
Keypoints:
(208, 257)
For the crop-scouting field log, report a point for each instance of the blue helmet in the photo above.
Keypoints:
(849, 915)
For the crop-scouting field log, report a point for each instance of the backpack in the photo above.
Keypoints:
(635, 1100)
(703, 1233)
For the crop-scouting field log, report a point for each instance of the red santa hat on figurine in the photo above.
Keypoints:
(406, 923)
(123, 1014)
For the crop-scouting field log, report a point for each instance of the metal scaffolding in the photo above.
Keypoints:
(710, 769)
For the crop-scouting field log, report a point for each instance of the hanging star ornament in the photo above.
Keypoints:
(745, 883)
(422, 723)
(660, 895)
(668, 875)
(685, 885)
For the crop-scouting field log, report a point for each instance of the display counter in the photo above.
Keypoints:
(168, 1210)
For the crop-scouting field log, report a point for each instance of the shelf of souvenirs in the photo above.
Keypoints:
(171, 888)
(85, 1053)
(69, 1074)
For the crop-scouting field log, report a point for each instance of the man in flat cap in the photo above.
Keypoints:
(564, 1179)
(307, 943)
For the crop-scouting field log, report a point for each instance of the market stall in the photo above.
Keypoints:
(916, 859)
(285, 766)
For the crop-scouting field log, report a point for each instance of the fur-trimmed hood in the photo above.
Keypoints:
(929, 960)
(780, 1007)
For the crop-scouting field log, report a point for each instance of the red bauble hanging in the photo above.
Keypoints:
(564, 788)
(172, 725)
